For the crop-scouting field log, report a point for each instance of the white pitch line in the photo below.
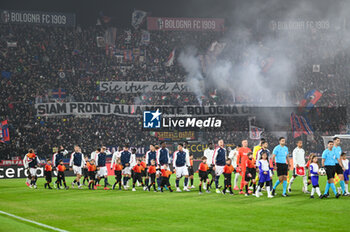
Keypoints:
(34, 222)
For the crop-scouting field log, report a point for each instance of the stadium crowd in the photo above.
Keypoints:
(47, 58)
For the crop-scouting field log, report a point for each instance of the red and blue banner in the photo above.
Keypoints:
(310, 99)
(4, 132)
(59, 93)
(300, 125)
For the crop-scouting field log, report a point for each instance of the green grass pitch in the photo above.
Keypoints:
(100, 210)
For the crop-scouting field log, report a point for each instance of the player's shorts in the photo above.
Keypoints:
(85, 172)
(250, 174)
(314, 181)
(102, 171)
(126, 171)
(32, 171)
(264, 177)
(346, 175)
(338, 169)
(282, 169)
(190, 171)
(330, 171)
(143, 173)
(181, 171)
(203, 176)
(92, 175)
(219, 170)
(77, 170)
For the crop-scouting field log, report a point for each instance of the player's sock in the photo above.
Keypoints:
(200, 187)
(75, 181)
(318, 191)
(186, 182)
(257, 189)
(78, 183)
(312, 191)
(305, 182)
(291, 182)
(147, 181)
(251, 183)
(114, 185)
(235, 180)
(192, 181)
(65, 185)
(211, 182)
(242, 184)
(154, 186)
(333, 188)
(84, 180)
(133, 184)
(159, 181)
(268, 189)
(177, 183)
(347, 188)
(246, 189)
(45, 185)
(285, 187)
(254, 188)
(58, 185)
(124, 180)
(276, 184)
(327, 188)
(342, 185)
(217, 181)
(230, 188)
(161, 189)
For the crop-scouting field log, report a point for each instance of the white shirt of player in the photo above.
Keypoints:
(115, 156)
(263, 165)
(209, 154)
(93, 155)
(345, 163)
(233, 157)
(314, 168)
(298, 157)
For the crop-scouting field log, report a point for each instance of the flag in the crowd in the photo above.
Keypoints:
(266, 64)
(300, 125)
(128, 55)
(153, 133)
(255, 132)
(145, 37)
(103, 19)
(4, 132)
(177, 96)
(310, 99)
(164, 97)
(11, 44)
(186, 99)
(213, 94)
(137, 18)
(100, 41)
(6, 74)
(150, 99)
(58, 93)
(143, 98)
(171, 58)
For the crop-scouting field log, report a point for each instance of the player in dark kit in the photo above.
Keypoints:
(85, 170)
(165, 178)
(228, 169)
(118, 174)
(92, 174)
(48, 174)
(203, 174)
(137, 175)
(60, 176)
(152, 174)
(191, 171)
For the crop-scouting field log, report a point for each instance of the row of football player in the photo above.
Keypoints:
(244, 163)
